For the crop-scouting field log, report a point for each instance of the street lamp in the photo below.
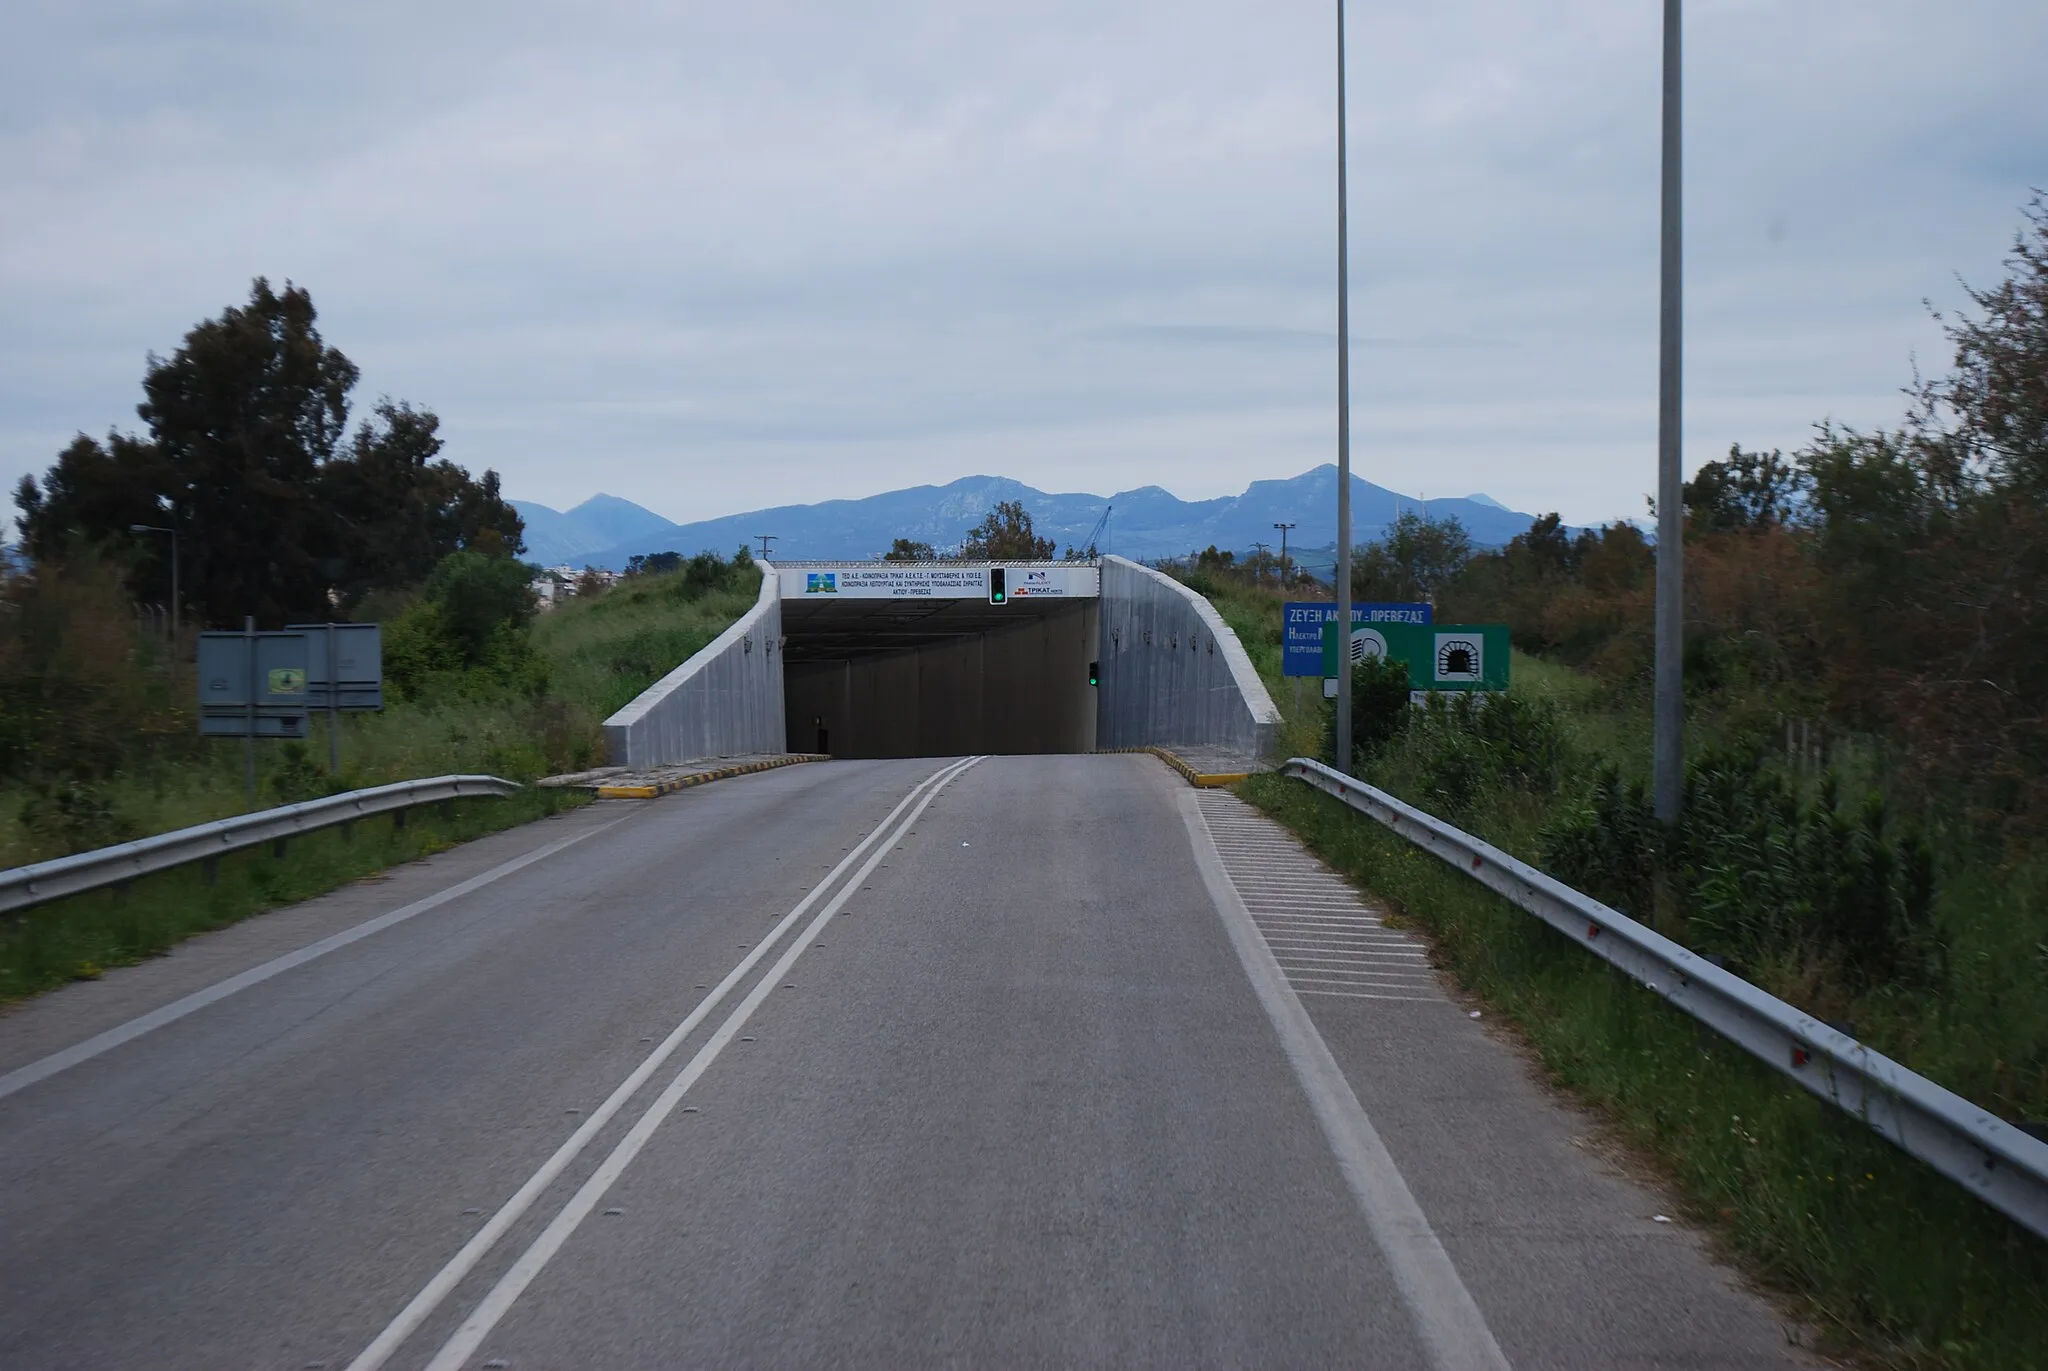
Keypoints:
(152, 528)
(1343, 432)
(1668, 732)
(1283, 553)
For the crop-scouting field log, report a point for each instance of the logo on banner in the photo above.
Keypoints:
(821, 583)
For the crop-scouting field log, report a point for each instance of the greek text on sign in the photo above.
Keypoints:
(929, 581)
(1301, 629)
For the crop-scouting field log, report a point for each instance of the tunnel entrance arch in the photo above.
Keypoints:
(914, 659)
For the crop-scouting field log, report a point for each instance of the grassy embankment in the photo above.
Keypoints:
(1894, 1262)
(599, 652)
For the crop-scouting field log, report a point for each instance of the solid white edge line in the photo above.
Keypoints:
(1453, 1332)
(422, 1305)
(494, 1306)
(45, 1067)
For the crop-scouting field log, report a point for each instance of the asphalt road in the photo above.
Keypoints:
(847, 1064)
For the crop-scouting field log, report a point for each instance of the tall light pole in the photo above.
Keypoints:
(152, 528)
(766, 538)
(1668, 739)
(1283, 553)
(1343, 431)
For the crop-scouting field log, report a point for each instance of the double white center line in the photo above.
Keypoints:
(493, 1307)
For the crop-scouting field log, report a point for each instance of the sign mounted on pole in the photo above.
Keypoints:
(1439, 656)
(1301, 629)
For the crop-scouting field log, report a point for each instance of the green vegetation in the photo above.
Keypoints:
(282, 519)
(1863, 836)
(81, 937)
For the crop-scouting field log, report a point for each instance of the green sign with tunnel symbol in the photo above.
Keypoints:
(1439, 656)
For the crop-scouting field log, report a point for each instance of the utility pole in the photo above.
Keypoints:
(1259, 566)
(766, 538)
(1668, 741)
(1344, 431)
(1283, 553)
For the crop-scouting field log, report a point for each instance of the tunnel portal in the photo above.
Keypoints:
(916, 659)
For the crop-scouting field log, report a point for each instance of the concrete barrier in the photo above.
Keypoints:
(1173, 674)
(725, 701)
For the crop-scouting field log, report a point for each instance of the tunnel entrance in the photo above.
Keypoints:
(913, 659)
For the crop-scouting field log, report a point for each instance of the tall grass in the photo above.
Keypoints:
(1905, 1267)
(598, 652)
(81, 937)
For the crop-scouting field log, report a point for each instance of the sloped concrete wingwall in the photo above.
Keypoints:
(1172, 671)
(725, 701)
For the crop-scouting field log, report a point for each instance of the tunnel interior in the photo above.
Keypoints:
(939, 677)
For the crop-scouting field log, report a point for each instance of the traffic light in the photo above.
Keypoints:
(1095, 673)
(998, 594)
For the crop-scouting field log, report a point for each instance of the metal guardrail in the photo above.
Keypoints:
(24, 886)
(2001, 1164)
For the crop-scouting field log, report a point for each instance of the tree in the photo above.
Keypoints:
(1006, 535)
(245, 460)
(1744, 492)
(905, 550)
(653, 563)
(400, 507)
(1415, 559)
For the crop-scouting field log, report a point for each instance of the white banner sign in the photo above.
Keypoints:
(935, 581)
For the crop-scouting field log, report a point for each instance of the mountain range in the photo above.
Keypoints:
(1146, 523)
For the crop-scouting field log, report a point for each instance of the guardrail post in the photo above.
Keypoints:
(209, 867)
(277, 847)
(398, 820)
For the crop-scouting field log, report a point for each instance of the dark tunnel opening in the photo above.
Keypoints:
(939, 677)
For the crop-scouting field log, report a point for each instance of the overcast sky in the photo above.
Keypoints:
(715, 256)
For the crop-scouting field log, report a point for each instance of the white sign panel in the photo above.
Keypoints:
(934, 581)
(1460, 657)
(1053, 582)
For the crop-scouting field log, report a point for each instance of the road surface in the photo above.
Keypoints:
(1027, 1061)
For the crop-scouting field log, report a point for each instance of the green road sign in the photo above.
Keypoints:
(1439, 656)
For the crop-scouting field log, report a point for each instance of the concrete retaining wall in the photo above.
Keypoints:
(1173, 674)
(725, 701)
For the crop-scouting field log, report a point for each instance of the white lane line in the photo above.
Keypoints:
(1366, 995)
(494, 1306)
(1320, 975)
(45, 1067)
(463, 1262)
(1333, 922)
(1350, 954)
(1453, 1332)
(1347, 941)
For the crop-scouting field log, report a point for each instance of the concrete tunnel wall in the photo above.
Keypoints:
(1173, 673)
(1015, 690)
(724, 702)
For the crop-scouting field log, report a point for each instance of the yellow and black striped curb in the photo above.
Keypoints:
(1202, 779)
(675, 783)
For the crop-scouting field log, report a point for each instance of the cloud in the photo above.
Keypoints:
(716, 256)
